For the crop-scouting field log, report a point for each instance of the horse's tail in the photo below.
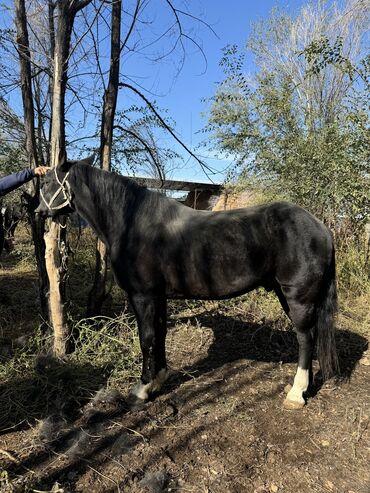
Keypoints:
(325, 324)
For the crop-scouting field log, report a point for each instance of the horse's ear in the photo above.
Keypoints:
(89, 160)
(66, 166)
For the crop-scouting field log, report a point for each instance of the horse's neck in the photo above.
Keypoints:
(96, 207)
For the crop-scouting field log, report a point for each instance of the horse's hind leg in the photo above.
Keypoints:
(151, 319)
(294, 398)
(301, 315)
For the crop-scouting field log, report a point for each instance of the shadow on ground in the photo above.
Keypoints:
(52, 388)
(266, 342)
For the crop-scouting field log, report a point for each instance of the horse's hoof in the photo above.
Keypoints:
(293, 405)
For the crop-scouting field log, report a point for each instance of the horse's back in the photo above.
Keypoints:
(231, 252)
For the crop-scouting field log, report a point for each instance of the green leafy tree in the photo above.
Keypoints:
(300, 125)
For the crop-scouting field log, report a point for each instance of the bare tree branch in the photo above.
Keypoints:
(80, 4)
(89, 27)
(183, 35)
(133, 22)
(167, 127)
(147, 148)
(96, 51)
(199, 20)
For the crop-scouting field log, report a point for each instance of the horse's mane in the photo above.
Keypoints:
(117, 192)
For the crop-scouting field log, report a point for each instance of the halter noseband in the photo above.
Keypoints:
(64, 188)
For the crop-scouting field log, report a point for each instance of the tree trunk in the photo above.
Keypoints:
(51, 10)
(54, 241)
(56, 273)
(38, 230)
(37, 223)
(98, 291)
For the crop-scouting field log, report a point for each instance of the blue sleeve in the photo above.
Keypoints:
(15, 180)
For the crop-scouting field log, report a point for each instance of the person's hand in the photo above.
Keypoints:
(41, 170)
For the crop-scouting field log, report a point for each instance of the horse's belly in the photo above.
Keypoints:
(209, 294)
(221, 279)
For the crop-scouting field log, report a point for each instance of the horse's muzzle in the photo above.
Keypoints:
(42, 210)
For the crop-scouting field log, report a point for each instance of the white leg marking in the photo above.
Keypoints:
(142, 391)
(294, 398)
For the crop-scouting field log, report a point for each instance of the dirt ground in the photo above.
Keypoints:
(217, 427)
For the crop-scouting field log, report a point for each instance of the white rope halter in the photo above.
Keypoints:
(64, 188)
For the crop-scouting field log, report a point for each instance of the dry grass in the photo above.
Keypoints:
(34, 384)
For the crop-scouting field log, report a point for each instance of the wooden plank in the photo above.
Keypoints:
(187, 186)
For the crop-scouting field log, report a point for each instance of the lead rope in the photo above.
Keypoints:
(64, 254)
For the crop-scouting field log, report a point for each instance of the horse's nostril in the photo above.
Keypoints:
(40, 210)
(43, 214)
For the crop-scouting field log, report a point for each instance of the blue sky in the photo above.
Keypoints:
(232, 21)
(182, 95)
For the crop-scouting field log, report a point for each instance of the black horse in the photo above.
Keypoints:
(161, 249)
(12, 215)
(2, 233)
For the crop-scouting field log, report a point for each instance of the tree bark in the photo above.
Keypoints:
(51, 10)
(55, 238)
(56, 290)
(98, 291)
(37, 223)
(26, 86)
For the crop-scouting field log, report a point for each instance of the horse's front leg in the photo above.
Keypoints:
(151, 316)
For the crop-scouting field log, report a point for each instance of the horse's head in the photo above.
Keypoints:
(56, 194)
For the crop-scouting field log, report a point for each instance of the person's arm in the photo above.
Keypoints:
(15, 180)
